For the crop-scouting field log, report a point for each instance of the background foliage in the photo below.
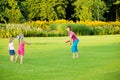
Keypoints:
(18, 11)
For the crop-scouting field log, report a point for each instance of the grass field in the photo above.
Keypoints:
(49, 58)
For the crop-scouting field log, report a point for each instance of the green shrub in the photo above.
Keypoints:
(53, 26)
(77, 28)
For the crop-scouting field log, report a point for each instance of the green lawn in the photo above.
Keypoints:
(49, 58)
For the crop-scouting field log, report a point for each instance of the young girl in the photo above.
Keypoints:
(11, 49)
(74, 40)
(21, 50)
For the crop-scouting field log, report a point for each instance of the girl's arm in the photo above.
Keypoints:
(27, 43)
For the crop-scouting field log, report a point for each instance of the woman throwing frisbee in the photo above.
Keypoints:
(74, 40)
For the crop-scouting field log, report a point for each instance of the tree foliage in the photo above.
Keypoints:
(90, 9)
(13, 12)
(16, 11)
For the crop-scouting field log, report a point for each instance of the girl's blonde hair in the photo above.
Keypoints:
(11, 39)
(20, 39)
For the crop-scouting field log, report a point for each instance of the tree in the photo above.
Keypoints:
(13, 12)
(30, 9)
(98, 9)
(117, 3)
(44, 9)
(3, 5)
(82, 10)
(47, 10)
(53, 9)
(90, 9)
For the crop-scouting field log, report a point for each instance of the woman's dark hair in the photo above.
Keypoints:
(69, 27)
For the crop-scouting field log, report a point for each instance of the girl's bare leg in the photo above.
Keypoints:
(12, 58)
(21, 59)
(16, 58)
